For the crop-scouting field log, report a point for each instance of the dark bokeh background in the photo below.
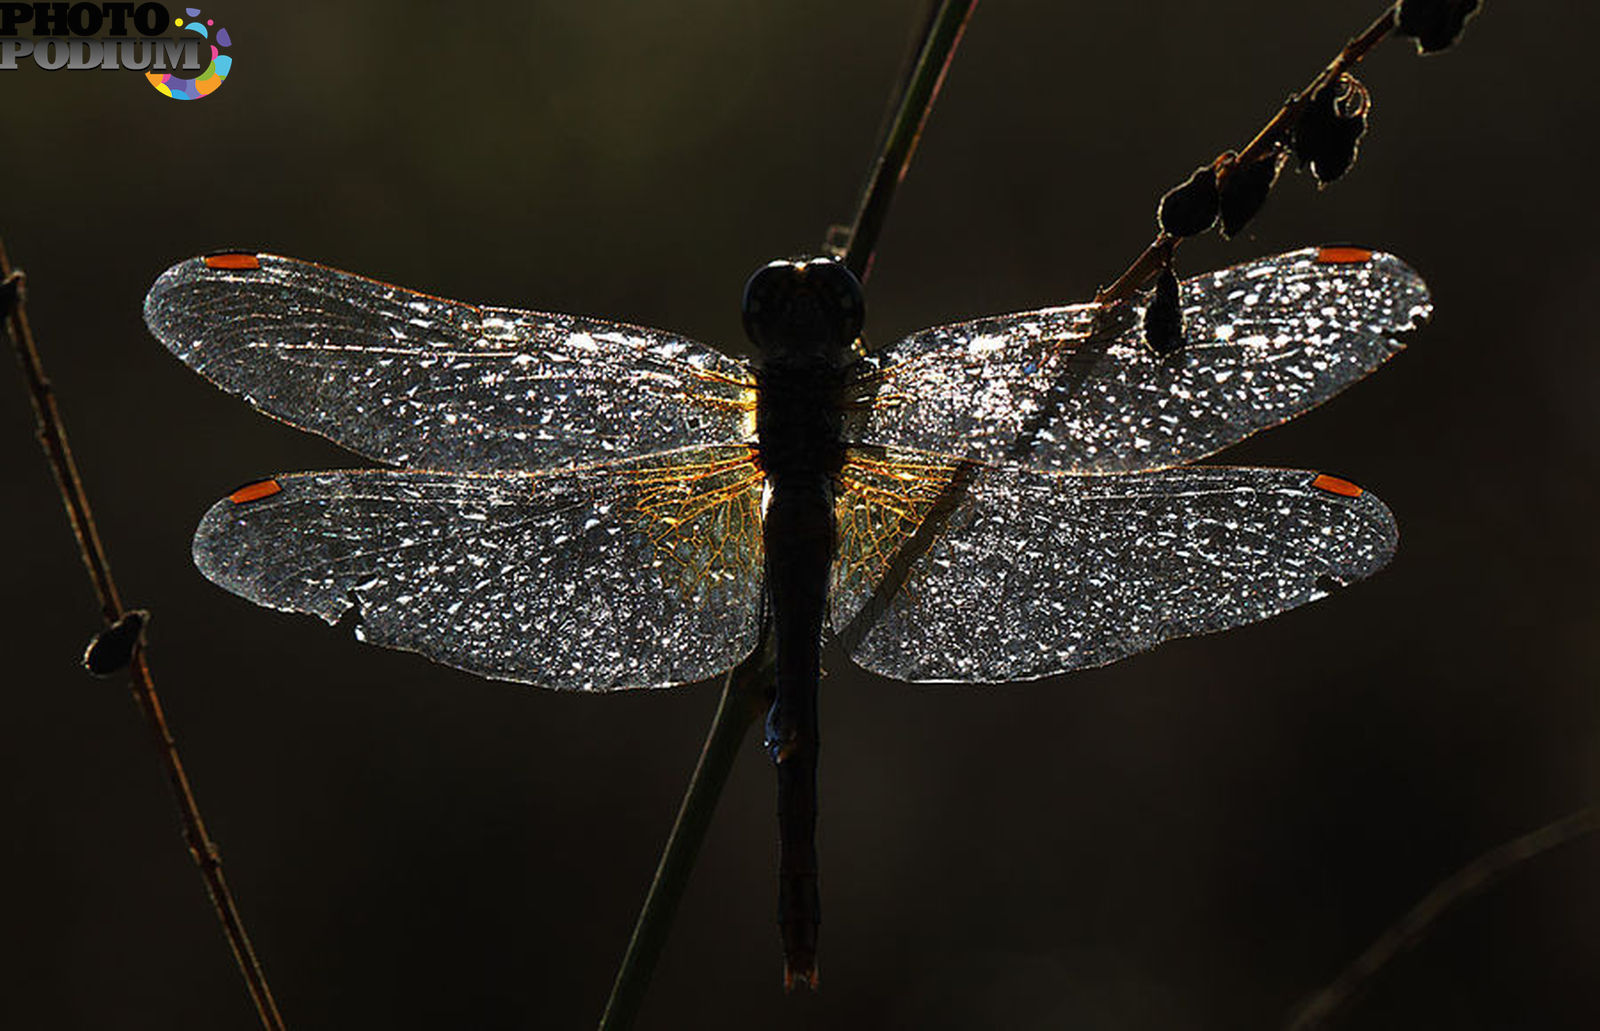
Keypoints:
(1198, 837)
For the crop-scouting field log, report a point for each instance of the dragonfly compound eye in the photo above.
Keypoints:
(794, 308)
(839, 287)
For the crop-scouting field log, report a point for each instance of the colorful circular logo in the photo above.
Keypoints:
(206, 82)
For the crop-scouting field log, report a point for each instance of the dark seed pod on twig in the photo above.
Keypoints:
(1190, 209)
(1163, 319)
(1435, 24)
(1329, 130)
(10, 291)
(1244, 189)
(112, 648)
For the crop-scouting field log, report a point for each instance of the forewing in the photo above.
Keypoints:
(1016, 574)
(1078, 390)
(411, 379)
(632, 574)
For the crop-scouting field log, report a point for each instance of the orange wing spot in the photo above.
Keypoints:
(1343, 256)
(254, 492)
(233, 261)
(1334, 485)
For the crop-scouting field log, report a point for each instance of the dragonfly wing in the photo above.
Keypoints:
(411, 379)
(1014, 574)
(633, 574)
(1078, 390)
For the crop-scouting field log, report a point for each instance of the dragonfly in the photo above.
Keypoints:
(588, 505)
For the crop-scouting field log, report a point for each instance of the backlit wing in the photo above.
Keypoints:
(410, 379)
(1077, 389)
(644, 573)
(1014, 575)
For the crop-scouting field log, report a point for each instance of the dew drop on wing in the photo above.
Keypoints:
(350, 619)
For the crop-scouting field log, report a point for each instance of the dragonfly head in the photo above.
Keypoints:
(797, 310)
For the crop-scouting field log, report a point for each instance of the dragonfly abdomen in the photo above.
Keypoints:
(799, 537)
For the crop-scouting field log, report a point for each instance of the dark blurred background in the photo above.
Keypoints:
(1199, 837)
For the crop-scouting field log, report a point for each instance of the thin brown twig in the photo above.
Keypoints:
(53, 437)
(744, 698)
(1273, 134)
(1474, 877)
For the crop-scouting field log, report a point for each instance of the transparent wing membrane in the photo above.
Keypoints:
(1077, 389)
(632, 574)
(411, 379)
(1029, 574)
(883, 497)
(542, 548)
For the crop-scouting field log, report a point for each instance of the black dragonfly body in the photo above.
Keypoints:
(803, 318)
(582, 504)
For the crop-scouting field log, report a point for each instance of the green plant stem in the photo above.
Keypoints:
(745, 692)
(744, 698)
(943, 35)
